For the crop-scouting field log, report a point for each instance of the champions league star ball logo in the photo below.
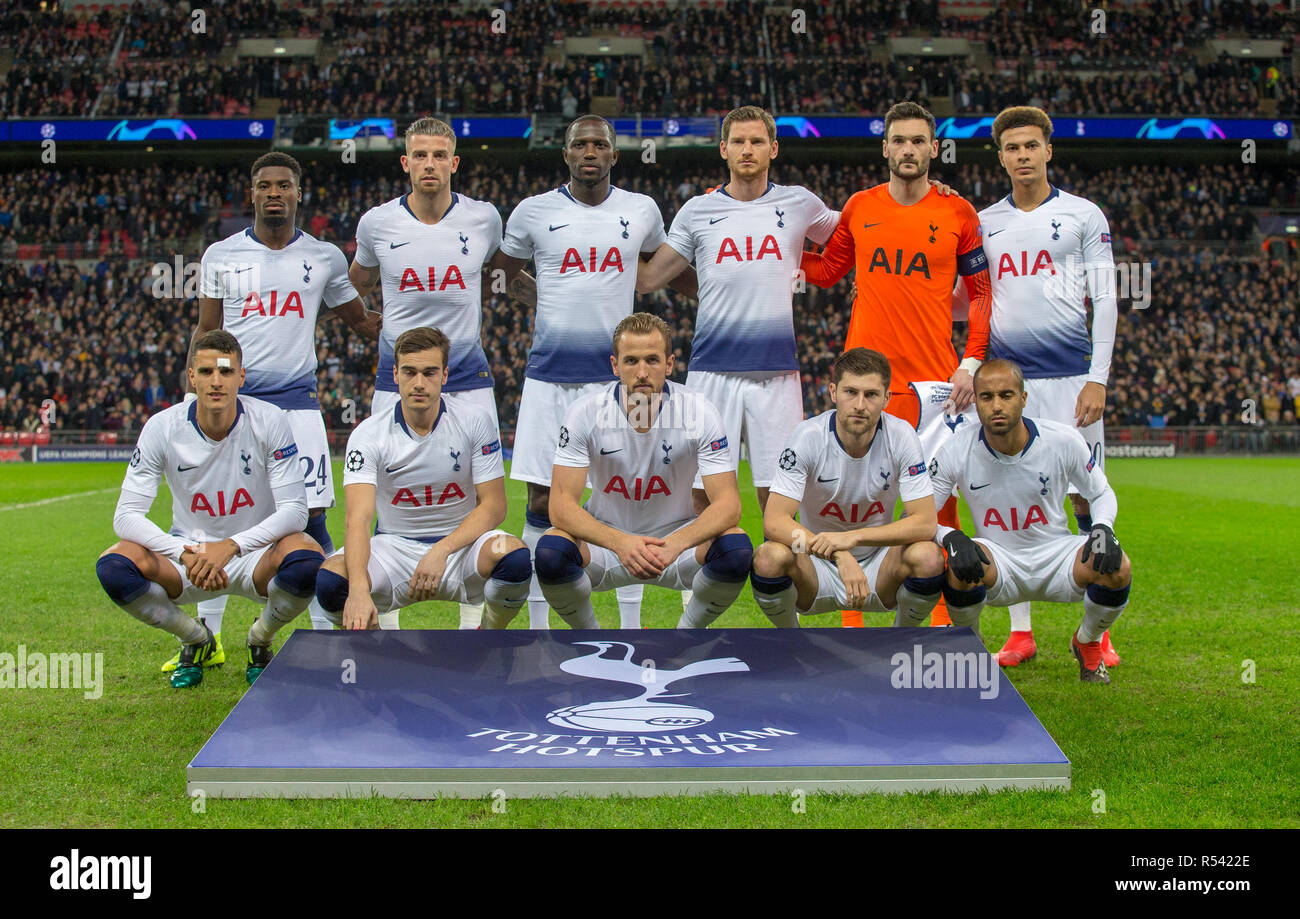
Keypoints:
(642, 714)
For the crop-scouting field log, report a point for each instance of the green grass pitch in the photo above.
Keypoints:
(1178, 739)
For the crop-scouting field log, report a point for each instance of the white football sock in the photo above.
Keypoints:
(709, 600)
(538, 613)
(1020, 617)
(388, 620)
(572, 601)
(629, 605)
(914, 607)
(1097, 619)
(317, 611)
(213, 611)
(155, 608)
(780, 607)
(281, 608)
(471, 616)
(504, 598)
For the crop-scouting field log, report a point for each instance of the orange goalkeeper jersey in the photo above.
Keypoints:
(908, 259)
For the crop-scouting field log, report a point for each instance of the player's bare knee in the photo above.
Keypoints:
(335, 564)
(923, 560)
(773, 560)
(1120, 579)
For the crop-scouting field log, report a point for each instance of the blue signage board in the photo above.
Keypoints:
(426, 713)
(1065, 126)
(139, 130)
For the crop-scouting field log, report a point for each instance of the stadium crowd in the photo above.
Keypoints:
(704, 58)
(108, 351)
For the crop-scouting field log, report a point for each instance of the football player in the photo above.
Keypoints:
(238, 509)
(267, 285)
(642, 441)
(843, 471)
(1014, 473)
(432, 469)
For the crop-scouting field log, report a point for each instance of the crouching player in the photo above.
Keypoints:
(433, 468)
(1014, 473)
(641, 440)
(843, 471)
(238, 509)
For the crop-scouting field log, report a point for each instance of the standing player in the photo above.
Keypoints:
(585, 239)
(745, 238)
(238, 509)
(643, 441)
(266, 286)
(909, 244)
(433, 468)
(1014, 473)
(1047, 251)
(426, 250)
(842, 472)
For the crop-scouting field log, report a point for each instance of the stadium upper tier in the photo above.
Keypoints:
(682, 58)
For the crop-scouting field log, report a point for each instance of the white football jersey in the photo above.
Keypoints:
(586, 260)
(837, 492)
(1018, 501)
(746, 254)
(270, 301)
(641, 483)
(1042, 264)
(432, 276)
(219, 488)
(424, 486)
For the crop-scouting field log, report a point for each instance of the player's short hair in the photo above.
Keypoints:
(906, 111)
(218, 340)
(276, 158)
(1021, 116)
(412, 341)
(430, 127)
(603, 122)
(749, 113)
(999, 363)
(644, 324)
(860, 362)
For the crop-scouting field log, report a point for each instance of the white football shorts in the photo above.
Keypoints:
(763, 408)
(1045, 572)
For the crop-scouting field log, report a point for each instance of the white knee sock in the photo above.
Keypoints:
(916, 601)
(780, 606)
(709, 600)
(1020, 617)
(504, 598)
(213, 611)
(1098, 617)
(281, 608)
(572, 601)
(538, 617)
(155, 608)
(471, 616)
(629, 605)
(388, 620)
(319, 612)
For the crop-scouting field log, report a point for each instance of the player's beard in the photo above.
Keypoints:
(923, 169)
(275, 221)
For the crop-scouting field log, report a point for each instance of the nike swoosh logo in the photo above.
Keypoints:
(868, 226)
(321, 490)
(975, 487)
(560, 227)
(604, 452)
(186, 468)
(713, 220)
(392, 469)
(399, 245)
(835, 479)
(994, 232)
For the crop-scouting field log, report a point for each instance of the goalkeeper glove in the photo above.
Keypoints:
(1104, 549)
(966, 558)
